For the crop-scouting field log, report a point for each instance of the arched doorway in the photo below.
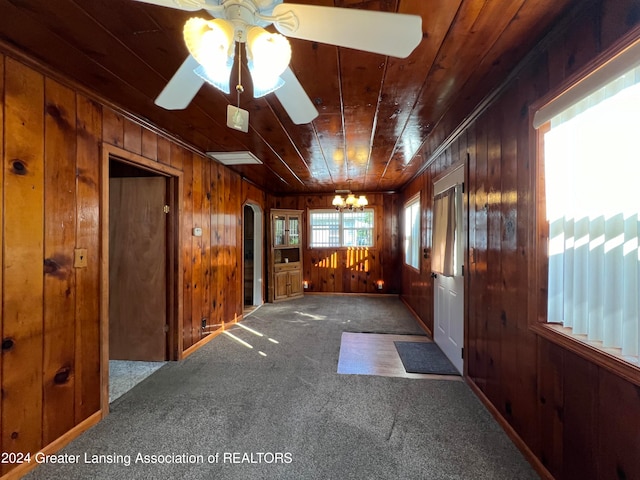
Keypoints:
(252, 236)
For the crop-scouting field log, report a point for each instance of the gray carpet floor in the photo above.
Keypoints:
(267, 403)
(125, 374)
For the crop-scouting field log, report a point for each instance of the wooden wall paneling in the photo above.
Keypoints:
(221, 281)
(494, 265)
(149, 147)
(424, 282)
(618, 431)
(614, 15)
(526, 352)
(228, 292)
(112, 127)
(550, 406)
(197, 282)
(580, 441)
(59, 276)
(206, 242)
(87, 328)
(132, 136)
(187, 247)
(22, 375)
(480, 290)
(471, 325)
(163, 151)
(238, 261)
(2, 59)
(510, 310)
(215, 246)
(390, 259)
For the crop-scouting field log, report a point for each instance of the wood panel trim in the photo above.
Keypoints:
(510, 431)
(605, 358)
(59, 443)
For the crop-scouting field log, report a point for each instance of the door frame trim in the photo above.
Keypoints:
(174, 259)
(258, 251)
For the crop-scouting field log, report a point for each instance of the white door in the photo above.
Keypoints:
(448, 318)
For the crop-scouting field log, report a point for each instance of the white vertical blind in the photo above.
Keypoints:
(592, 167)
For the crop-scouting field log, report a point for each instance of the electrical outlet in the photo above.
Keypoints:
(204, 323)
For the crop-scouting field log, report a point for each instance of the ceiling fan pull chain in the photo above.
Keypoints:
(239, 87)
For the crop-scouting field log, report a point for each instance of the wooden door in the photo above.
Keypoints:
(281, 289)
(137, 268)
(295, 283)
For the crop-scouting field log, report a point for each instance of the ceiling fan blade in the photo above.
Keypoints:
(394, 34)
(186, 5)
(182, 87)
(295, 100)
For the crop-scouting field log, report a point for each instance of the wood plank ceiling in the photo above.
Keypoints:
(376, 112)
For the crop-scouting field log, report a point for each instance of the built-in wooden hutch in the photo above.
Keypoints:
(285, 261)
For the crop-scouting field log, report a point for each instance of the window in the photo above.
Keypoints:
(412, 232)
(331, 228)
(591, 210)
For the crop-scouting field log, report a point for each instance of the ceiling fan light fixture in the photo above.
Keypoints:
(211, 43)
(268, 56)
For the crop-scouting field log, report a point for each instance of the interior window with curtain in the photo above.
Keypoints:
(591, 174)
(447, 210)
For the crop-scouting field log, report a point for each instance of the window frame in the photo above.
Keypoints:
(413, 200)
(609, 358)
(341, 228)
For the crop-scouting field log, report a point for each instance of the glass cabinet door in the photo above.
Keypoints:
(294, 231)
(279, 230)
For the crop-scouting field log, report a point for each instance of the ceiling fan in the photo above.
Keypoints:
(211, 43)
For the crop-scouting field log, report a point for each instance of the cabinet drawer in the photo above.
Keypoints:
(283, 267)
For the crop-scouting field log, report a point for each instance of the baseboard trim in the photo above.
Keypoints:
(201, 343)
(53, 447)
(417, 317)
(511, 433)
(352, 294)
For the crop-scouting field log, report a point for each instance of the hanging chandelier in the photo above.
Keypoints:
(349, 203)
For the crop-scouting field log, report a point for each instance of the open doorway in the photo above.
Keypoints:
(140, 245)
(252, 255)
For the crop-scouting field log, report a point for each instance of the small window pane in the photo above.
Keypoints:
(325, 229)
